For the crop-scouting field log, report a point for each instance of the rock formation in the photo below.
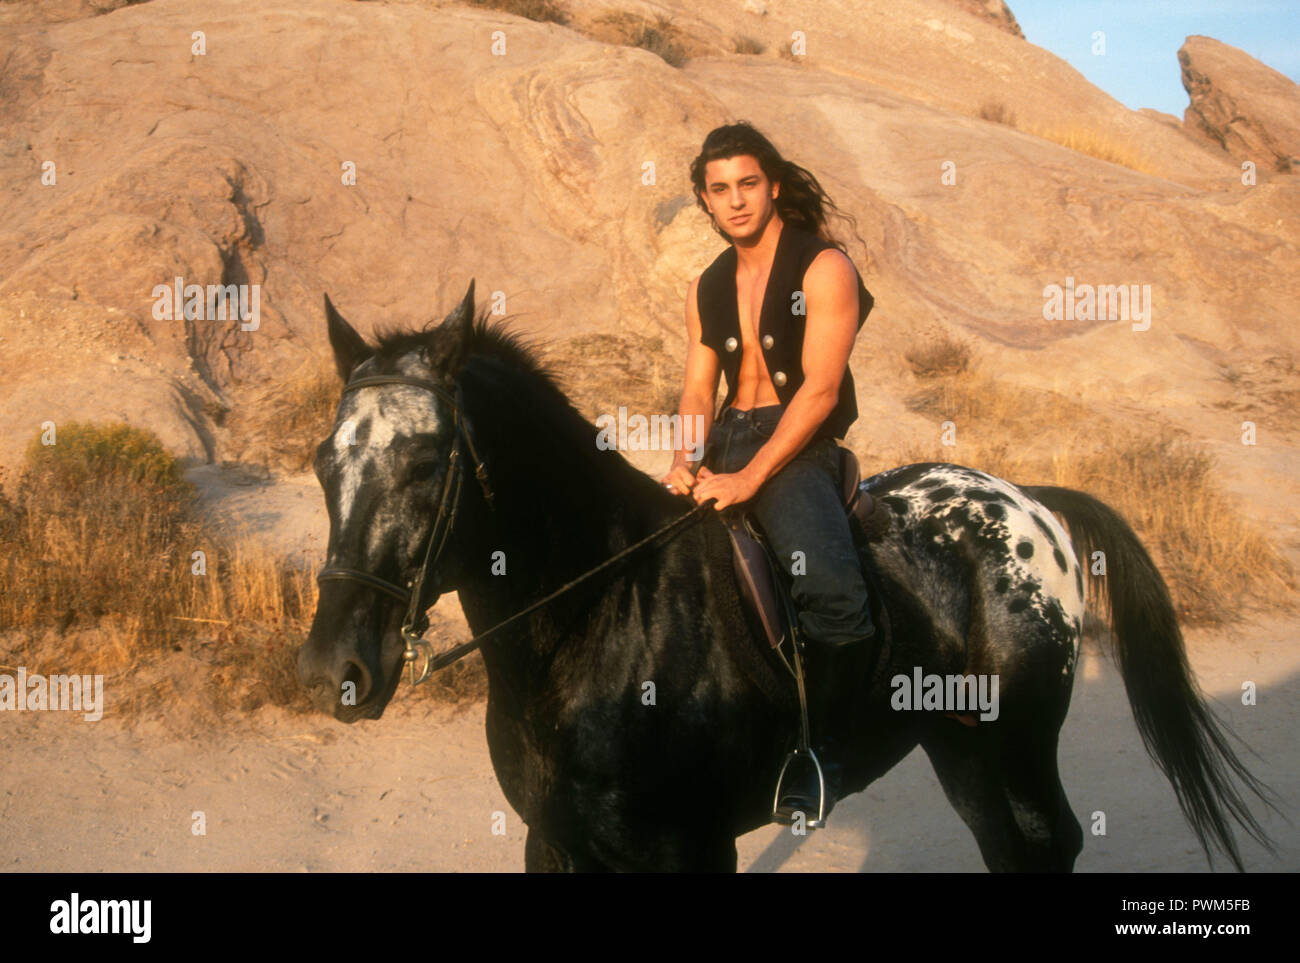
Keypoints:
(385, 153)
(1243, 106)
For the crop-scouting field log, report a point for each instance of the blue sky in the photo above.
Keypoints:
(1140, 66)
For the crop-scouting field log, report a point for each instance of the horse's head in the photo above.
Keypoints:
(382, 469)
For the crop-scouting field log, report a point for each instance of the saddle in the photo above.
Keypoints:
(761, 575)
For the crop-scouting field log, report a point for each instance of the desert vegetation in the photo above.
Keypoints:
(1162, 482)
(282, 422)
(1075, 137)
(110, 567)
(543, 11)
(659, 35)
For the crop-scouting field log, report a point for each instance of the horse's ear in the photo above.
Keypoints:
(350, 349)
(458, 327)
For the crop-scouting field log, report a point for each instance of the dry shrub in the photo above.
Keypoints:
(939, 354)
(280, 425)
(95, 529)
(1085, 140)
(1164, 485)
(1098, 145)
(603, 371)
(97, 540)
(1213, 558)
(997, 113)
(97, 550)
(745, 44)
(661, 37)
(463, 682)
(543, 11)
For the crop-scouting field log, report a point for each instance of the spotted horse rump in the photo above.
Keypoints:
(1017, 584)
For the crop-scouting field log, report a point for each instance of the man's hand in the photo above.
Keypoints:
(729, 489)
(679, 479)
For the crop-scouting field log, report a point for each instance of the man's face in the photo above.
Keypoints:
(739, 196)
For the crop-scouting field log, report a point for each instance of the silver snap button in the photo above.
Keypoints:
(731, 344)
(768, 341)
(740, 416)
(778, 379)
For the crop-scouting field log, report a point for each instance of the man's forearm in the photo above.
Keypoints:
(693, 410)
(803, 416)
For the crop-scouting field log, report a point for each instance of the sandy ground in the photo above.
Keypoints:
(416, 792)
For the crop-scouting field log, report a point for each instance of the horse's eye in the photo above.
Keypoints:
(424, 470)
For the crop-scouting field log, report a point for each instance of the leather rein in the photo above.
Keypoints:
(415, 624)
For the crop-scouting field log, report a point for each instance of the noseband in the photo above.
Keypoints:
(415, 623)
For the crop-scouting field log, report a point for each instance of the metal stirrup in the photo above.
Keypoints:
(804, 747)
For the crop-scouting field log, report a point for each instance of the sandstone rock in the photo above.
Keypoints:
(994, 11)
(555, 173)
(55, 11)
(1160, 117)
(1249, 109)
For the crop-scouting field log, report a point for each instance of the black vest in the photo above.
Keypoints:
(780, 328)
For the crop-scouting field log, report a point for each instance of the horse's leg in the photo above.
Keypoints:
(716, 857)
(967, 763)
(541, 856)
(1005, 787)
(692, 854)
(683, 852)
(1052, 834)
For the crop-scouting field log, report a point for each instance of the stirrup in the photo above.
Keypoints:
(780, 816)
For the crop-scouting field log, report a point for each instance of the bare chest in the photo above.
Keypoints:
(750, 292)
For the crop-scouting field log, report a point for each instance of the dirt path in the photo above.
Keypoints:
(416, 791)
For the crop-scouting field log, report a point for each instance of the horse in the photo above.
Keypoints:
(636, 721)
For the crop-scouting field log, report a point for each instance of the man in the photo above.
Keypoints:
(778, 311)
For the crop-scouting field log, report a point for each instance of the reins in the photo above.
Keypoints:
(458, 652)
(415, 624)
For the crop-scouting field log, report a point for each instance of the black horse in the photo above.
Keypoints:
(637, 721)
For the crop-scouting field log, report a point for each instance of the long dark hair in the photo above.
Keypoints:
(801, 202)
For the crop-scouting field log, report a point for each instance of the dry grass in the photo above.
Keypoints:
(98, 536)
(659, 36)
(1213, 558)
(95, 529)
(1084, 140)
(281, 425)
(938, 354)
(745, 44)
(543, 11)
(1099, 145)
(602, 371)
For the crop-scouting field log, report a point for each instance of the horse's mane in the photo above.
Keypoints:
(517, 365)
(487, 340)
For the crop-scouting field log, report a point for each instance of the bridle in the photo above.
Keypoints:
(415, 623)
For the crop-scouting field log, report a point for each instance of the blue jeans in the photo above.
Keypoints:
(800, 510)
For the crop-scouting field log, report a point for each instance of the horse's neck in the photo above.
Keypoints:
(561, 507)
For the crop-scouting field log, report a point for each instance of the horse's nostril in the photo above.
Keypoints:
(356, 679)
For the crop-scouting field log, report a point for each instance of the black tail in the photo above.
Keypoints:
(1180, 732)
